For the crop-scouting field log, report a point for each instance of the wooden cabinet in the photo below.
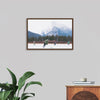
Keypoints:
(83, 92)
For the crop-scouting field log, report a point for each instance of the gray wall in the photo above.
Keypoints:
(54, 69)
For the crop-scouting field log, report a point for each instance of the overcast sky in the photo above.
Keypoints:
(39, 26)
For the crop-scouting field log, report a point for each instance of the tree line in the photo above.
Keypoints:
(51, 38)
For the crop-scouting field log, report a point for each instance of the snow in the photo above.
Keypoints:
(49, 46)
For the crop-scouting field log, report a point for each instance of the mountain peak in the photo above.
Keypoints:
(62, 31)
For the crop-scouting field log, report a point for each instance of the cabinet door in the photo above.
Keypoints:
(83, 93)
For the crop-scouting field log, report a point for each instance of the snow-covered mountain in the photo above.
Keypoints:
(62, 31)
(58, 31)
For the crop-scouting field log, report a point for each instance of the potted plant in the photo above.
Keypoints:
(11, 91)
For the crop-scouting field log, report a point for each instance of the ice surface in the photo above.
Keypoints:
(49, 46)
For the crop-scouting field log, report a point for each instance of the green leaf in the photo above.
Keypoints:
(14, 80)
(16, 98)
(4, 95)
(7, 93)
(22, 80)
(4, 86)
(8, 87)
(26, 95)
(31, 83)
(14, 89)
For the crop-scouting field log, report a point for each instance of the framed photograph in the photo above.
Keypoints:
(49, 33)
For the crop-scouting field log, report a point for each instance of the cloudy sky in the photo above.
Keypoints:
(39, 26)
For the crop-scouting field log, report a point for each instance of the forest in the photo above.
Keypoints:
(51, 38)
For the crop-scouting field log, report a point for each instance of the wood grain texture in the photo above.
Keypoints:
(73, 90)
(84, 95)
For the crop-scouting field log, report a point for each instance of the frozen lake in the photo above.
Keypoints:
(49, 46)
